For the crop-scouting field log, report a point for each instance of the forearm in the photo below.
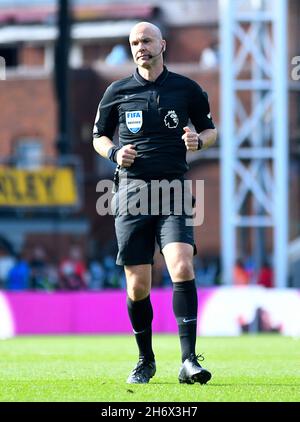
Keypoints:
(102, 145)
(124, 156)
(208, 136)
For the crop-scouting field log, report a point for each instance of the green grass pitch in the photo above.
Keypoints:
(94, 368)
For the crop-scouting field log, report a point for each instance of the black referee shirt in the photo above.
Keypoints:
(151, 116)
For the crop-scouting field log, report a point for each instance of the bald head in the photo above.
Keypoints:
(147, 46)
(145, 28)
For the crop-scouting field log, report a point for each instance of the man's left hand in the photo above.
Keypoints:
(190, 139)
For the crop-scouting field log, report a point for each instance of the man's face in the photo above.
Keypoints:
(145, 44)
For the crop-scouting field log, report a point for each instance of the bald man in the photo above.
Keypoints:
(152, 109)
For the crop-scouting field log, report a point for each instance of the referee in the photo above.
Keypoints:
(152, 109)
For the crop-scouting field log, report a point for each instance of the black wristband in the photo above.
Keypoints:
(112, 154)
(200, 143)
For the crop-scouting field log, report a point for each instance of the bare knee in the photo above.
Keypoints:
(182, 270)
(137, 291)
(138, 280)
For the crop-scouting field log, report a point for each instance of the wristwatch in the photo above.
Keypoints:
(200, 143)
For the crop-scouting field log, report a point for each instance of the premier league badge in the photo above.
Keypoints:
(134, 120)
(171, 119)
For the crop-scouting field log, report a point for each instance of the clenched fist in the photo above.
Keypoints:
(191, 139)
(126, 155)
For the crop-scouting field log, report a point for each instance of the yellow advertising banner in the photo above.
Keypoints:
(47, 186)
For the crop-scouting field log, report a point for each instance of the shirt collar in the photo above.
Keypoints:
(159, 81)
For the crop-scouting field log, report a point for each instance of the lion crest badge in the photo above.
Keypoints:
(171, 119)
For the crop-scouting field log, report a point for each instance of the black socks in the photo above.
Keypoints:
(185, 306)
(141, 315)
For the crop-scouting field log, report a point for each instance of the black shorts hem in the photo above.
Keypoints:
(127, 262)
(180, 241)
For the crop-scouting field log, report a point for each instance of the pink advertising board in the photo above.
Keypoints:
(102, 312)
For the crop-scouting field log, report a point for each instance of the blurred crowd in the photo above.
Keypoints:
(71, 273)
(74, 272)
(245, 274)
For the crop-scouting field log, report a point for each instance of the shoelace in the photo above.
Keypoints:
(198, 358)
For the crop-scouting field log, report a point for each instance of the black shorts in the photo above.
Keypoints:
(137, 234)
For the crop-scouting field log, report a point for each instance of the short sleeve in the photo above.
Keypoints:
(199, 110)
(107, 116)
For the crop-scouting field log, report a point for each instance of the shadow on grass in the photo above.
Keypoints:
(258, 384)
(173, 383)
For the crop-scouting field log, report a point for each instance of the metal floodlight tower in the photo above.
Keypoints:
(254, 128)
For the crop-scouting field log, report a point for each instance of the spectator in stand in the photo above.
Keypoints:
(112, 273)
(7, 262)
(265, 276)
(18, 276)
(38, 269)
(72, 271)
(52, 277)
(249, 266)
(96, 275)
(240, 275)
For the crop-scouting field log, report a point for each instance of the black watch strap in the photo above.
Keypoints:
(112, 153)
(200, 143)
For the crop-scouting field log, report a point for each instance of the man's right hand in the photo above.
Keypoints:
(126, 155)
